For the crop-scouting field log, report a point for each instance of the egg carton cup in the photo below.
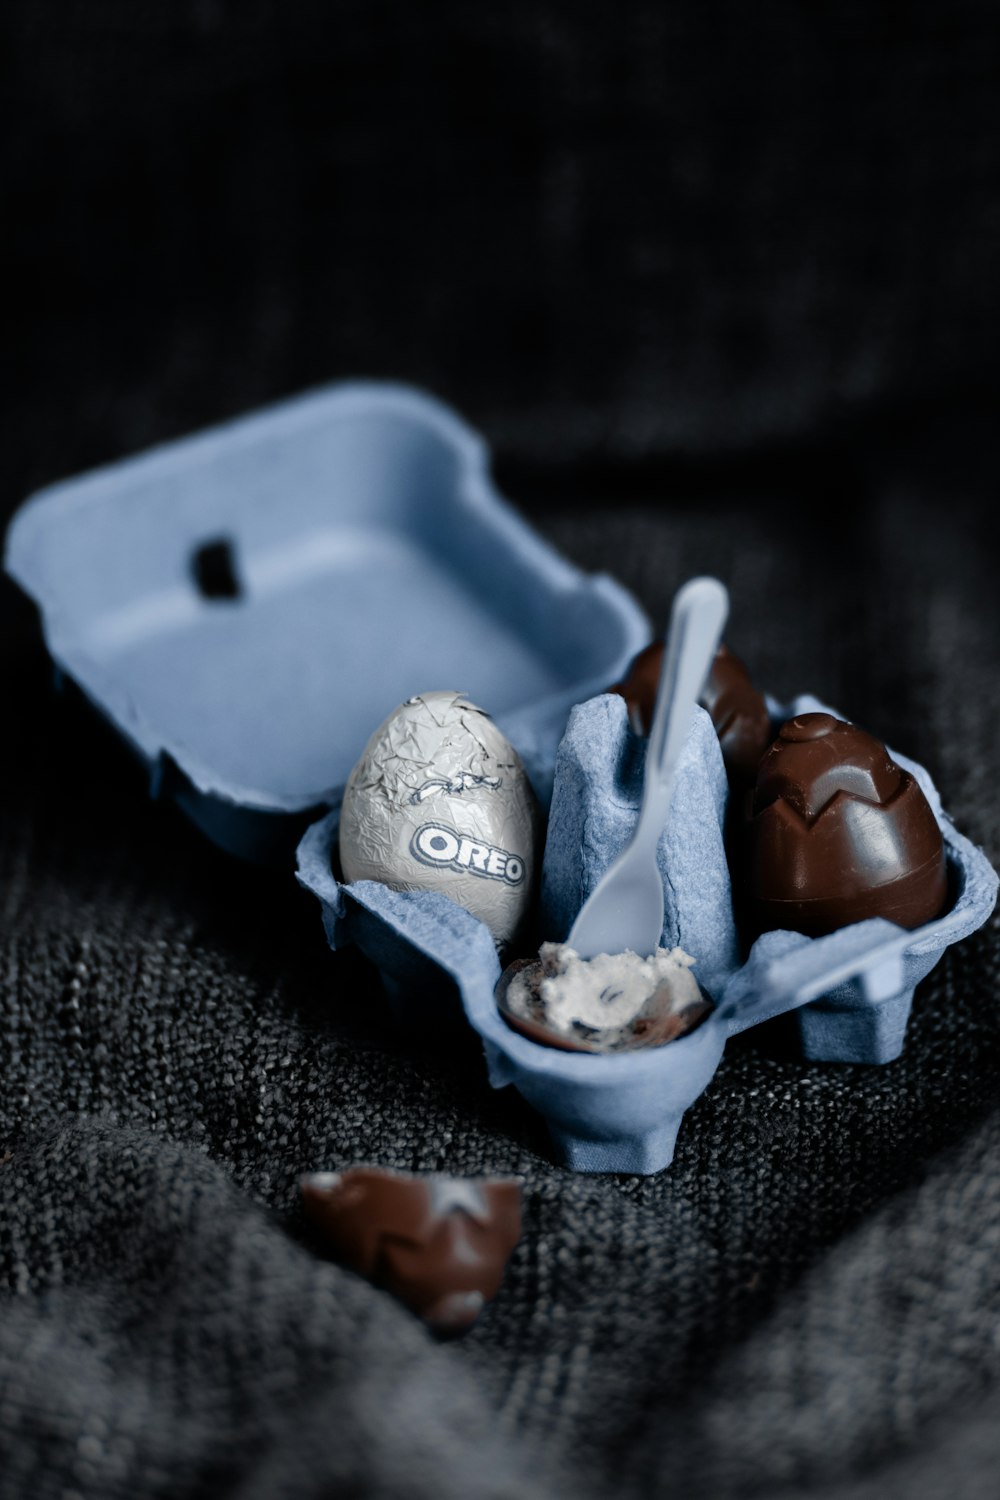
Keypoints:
(852, 989)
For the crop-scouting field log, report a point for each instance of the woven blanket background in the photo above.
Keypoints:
(719, 284)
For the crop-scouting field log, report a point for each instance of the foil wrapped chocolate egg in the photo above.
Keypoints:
(440, 801)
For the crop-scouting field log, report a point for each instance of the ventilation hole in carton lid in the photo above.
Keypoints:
(214, 570)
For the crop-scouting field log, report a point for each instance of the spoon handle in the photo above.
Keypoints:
(697, 619)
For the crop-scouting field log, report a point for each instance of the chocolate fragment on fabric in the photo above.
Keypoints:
(439, 1244)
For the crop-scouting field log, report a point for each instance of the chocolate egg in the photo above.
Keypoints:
(839, 832)
(740, 716)
(638, 686)
(737, 710)
(440, 801)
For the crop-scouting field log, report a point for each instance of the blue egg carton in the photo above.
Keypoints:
(245, 606)
(852, 989)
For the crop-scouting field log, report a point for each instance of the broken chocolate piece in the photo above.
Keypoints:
(439, 1244)
(839, 833)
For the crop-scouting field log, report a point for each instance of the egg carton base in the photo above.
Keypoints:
(862, 1031)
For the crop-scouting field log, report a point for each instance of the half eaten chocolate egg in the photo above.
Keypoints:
(440, 801)
(614, 1002)
(839, 832)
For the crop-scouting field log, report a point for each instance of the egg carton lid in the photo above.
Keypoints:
(246, 605)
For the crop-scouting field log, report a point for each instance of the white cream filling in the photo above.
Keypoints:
(606, 993)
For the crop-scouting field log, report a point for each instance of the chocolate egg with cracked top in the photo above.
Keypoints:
(440, 801)
(839, 832)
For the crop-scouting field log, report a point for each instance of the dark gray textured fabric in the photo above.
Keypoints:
(623, 241)
(635, 229)
(806, 1302)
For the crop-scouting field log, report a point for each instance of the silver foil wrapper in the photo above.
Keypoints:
(440, 801)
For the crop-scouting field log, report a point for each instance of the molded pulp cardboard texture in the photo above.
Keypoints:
(246, 605)
(852, 989)
(595, 803)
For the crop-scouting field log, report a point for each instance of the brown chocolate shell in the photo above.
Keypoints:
(438, 1243)
(839, 833)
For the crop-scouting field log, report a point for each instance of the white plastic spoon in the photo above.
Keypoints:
(625, 908)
